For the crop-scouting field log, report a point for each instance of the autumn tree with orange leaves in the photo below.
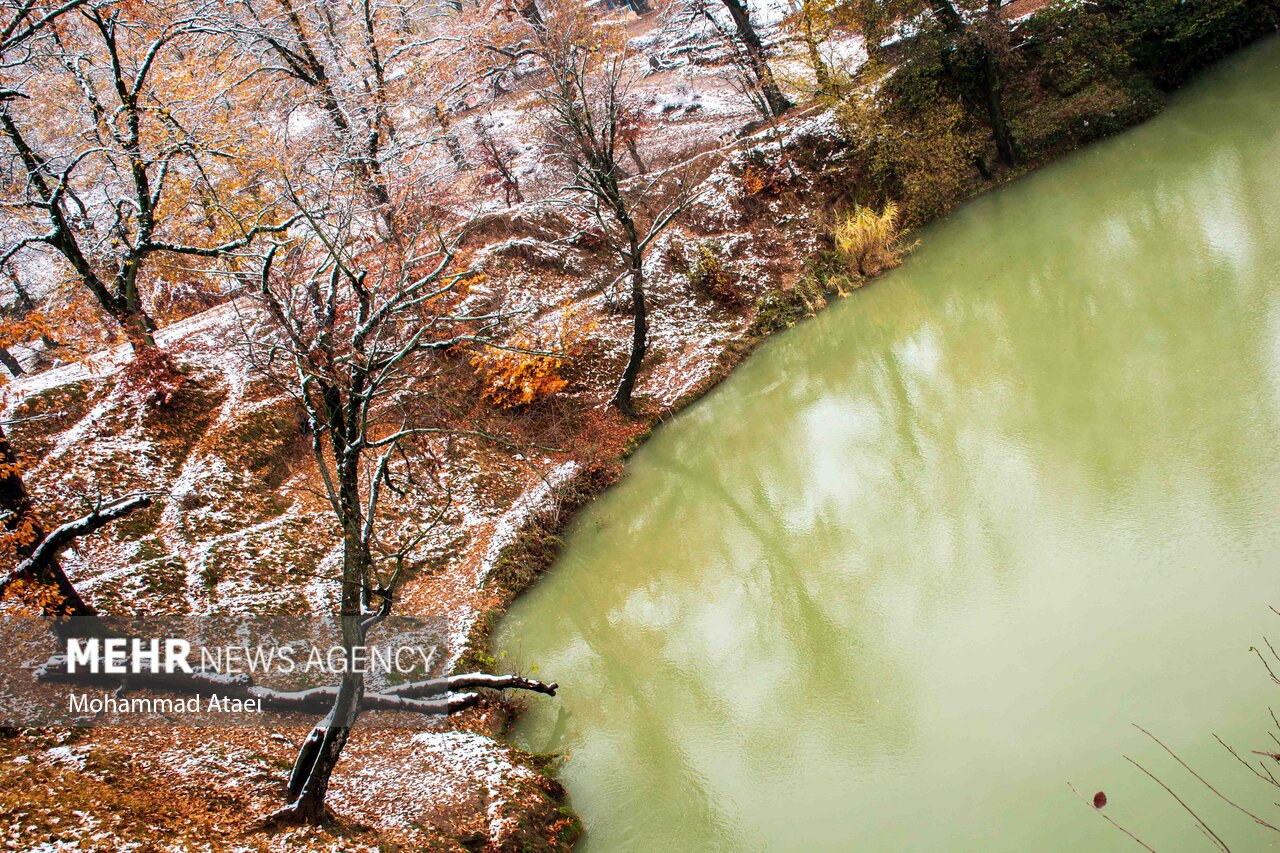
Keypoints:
(116, 154)
(29, 567)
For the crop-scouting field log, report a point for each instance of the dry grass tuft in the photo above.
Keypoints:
(870, 242)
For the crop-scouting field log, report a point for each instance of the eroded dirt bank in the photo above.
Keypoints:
(240, 527)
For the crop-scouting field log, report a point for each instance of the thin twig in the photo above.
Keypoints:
(1205, 782)
(1267, 778)
(1181, 802)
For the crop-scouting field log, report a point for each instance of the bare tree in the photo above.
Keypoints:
(586, 119)
(22, 20)
(632, 126)
(450, 139)
(748, 53)
(499, 157)
(360, 322)
(344, 57)
(486, 47)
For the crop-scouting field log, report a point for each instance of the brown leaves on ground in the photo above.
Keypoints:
(151, 377)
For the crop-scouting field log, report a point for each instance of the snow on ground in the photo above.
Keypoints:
(229, 535)
(539, 498)
(423, 768)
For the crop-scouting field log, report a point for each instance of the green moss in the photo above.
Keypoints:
(150, 548)
(264, 440)
(477, 660)
(634, 442)
(211, 574)
(709, 274)
(776, 310)
(570, 827)
(138, 525)
(782, 308)
(274, 557)
(533, 552)
(176, 428)
(53, 411)
(155, 577)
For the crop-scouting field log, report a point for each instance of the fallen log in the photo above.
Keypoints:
(454, 692)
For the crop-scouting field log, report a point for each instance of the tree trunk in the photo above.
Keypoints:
(10, 363)
(944, 12)
(136, 323)
(459, 157)
(320, 753)
(451, 143)
(774, 99)
(69, 615)
(821, 75)
(510, 184)
(1006, 145)
(531, 13)
(634, 151)
(639, 341)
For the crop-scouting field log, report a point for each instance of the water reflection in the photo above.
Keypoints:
(921, 562)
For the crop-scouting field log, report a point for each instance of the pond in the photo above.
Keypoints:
(926, 559)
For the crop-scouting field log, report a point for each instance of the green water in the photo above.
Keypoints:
(924, 560)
